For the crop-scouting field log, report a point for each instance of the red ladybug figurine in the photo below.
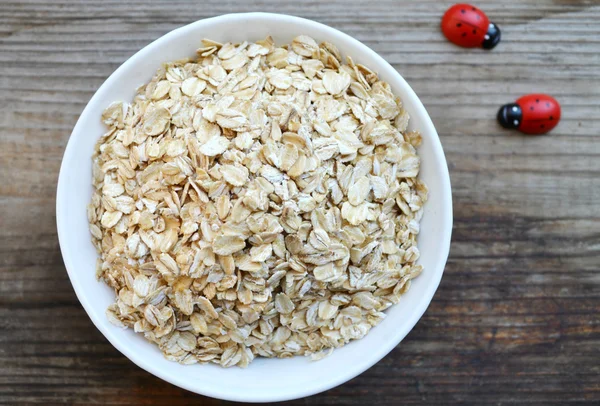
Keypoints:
(469, 27)
(531, 114)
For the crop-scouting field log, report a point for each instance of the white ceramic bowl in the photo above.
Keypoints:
(265, 379)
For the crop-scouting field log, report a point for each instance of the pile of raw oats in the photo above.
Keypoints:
(257, 201)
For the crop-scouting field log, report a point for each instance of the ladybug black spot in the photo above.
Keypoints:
(542, 126)
(473, 8)
(474, 31)
(537, 100)
(464, 34)
(459, 25)
(531, 108)
(463, 11)
(551, 118)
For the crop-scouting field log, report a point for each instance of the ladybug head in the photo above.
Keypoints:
(492, 37)
(510, 115)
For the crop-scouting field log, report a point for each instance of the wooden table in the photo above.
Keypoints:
(516, 318)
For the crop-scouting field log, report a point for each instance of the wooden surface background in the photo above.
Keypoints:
(516, 317)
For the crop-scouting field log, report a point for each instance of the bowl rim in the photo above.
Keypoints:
(295, 393)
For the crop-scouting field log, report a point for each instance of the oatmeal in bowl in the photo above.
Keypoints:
(270, 197)
(257, 200)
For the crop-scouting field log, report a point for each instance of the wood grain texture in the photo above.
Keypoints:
(516, 317)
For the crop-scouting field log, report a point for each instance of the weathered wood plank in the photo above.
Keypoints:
(515, 319)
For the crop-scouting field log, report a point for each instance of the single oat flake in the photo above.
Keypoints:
(258, 200)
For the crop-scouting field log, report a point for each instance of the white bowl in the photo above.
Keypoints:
(265, 380)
